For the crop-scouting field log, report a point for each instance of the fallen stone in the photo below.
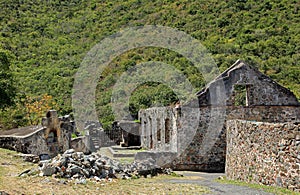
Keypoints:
(44, 157)
(70, 151)
(62, 181)
(48, 171)
(24, 173)
(80, 181)
(78, 166)
(30, 158)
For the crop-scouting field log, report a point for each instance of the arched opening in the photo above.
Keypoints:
(52, 136)
(158, 134)
(52, 140)
(167, 131)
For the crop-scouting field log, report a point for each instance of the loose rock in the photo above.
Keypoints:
(79, 167)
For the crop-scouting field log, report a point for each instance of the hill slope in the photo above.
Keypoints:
(49, 39)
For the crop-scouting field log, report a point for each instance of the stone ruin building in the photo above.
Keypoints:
(54, 136)
(128, 133)
(123, 133)
(249, 95)
(50, 138)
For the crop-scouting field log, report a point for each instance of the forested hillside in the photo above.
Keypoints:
(45, 42)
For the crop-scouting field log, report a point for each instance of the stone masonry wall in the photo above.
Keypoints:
(34, 143)
(260, 90)
(266, 153)
(208, 136)
(206, 147)
(51, 138)
(97, 137)
(158, 129)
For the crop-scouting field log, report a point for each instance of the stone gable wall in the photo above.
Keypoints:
(261, 90)
(266, 153)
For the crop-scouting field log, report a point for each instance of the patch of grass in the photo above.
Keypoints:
(127, 151)
(271, 189)
(125, 160)
(155, 185)
(174, 174)
(74, 135)
(137, 121)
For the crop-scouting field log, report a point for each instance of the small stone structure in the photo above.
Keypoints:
(82, 144)
(125, 133)
(266, 153)
(130, 133)
(58, 133)
(248, 94)
(51, 138)
(97, 136)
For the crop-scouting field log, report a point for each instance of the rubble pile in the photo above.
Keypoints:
(77, 165)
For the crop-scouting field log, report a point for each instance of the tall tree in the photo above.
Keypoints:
(7, 89)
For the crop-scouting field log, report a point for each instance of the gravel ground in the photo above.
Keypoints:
(207, 179)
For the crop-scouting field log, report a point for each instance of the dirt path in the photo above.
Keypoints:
(216, 188)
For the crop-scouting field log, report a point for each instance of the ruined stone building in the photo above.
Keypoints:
(50, 138)
(193, 136)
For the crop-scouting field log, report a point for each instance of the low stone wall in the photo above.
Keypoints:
(266, 153)
(51, 138)
(34, 143)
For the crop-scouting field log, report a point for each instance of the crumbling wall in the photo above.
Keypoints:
(82, 144)
(34, 143)
(130, 133)
(159, 129)
(97, 136)
(266, 153)
(52, 138)
(207, 148)
(174, 130)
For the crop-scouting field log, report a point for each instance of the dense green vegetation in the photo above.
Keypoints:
(48, 40)
(7, 90)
